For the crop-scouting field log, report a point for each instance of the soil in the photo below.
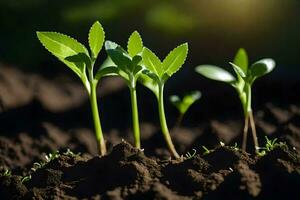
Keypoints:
(40, 116)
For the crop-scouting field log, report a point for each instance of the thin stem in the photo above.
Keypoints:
(163, 122)
(96, 118)
(252, 123)
(135, 118)
(245, 132)
(179, 120)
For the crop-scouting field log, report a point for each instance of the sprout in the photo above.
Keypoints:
(6, 172)
(155, 76)
(270, 146)
(206, 150)
(245, 77)
(189, 155)
(76, 56)
(129, 68)
(184, 104)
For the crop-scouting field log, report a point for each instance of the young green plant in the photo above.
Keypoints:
(184, 104)
(129, 68)
(76, 56)
(270, 146)
(155, 76)
(245, 77)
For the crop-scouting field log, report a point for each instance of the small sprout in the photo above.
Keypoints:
(222, 144)
(235, 147)
(71, 153)
(52, 156)
(206, 150)
(38, 165)
(48, 158)
(189, 155)
(129, 68)
(25, 178)
(184, 104)
(154, 78)
(245, 77)
(6, 172)
(269, 146)
(76, 56)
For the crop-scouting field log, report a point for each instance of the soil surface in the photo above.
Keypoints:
(41, 116)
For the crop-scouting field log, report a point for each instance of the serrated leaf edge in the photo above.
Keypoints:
(89, 36)
(183, 60)
(131, 36)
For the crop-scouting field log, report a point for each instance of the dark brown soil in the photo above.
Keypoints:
(40, 116)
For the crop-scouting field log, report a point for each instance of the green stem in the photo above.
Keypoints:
(245, 132)
(135, 118)
(96, 118)
(179, 120)
(249, 117)
(163, 122)
(252, 124)
(248, 98)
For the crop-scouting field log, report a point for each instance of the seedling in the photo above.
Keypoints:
(25, 178)
(156, 74)
(189, 155)
(235, 147)
(245, 77)
(206, 150)
(76, 56)
(222, 144)
(128, 67)
(71, 153)
(184, 104)
(269, 146)
(6, 172)
(48, 158)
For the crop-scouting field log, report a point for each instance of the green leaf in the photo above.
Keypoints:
(107, 63)
(262, 67)
(152, 62)
(118, 55)
(136, 60)
(79, 58)
(149, 80)
(96, 38)
(241, 60)
(175, 59)
(63, 46)
(135, 44)
(188, 100)
(238, 70)
(108, 68)
(106, 71)
(215, 73)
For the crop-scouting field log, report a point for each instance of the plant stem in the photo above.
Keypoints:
(163, 122)
(245, 132)
(252, 124)
(135, 118)
(96, 118)
(179, 120)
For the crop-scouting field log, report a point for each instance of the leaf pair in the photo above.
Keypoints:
(170, 65)
(184, 104)
(127, 63)
(157, 71)
(71, 52)
(240, 65)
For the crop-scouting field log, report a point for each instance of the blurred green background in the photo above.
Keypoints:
(214, 29)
